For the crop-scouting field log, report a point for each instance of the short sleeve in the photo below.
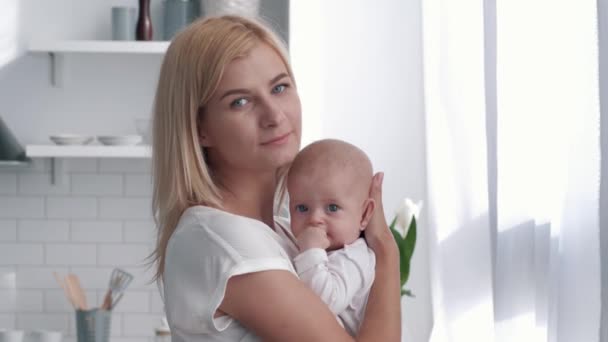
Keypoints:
(201, 258)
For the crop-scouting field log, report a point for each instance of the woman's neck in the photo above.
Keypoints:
(249, 195)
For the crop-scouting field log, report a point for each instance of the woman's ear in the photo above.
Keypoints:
(204, 139)
(368, 210)
(202, 134)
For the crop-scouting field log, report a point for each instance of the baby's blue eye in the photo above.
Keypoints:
(279, 89)
(333, 208)
(239, 102)
(301, 208)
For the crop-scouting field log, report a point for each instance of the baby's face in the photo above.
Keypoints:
(328, 202)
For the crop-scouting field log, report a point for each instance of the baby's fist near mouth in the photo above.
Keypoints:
(312, 237)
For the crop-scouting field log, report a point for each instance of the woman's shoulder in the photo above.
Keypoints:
(202, 219)
(200, 215)
(211, 229)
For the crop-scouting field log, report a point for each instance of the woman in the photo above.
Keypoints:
(227, 122)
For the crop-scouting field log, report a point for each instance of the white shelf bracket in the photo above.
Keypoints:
(57, 171)
(57, 69)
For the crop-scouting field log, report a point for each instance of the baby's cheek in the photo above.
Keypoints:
(296, 225)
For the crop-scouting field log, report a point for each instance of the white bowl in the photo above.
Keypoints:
(119, 139)
(11, 335)
(70, 139)
(44, 336)
(144, 128)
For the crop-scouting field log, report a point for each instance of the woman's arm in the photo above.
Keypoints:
(277, 306)
(383, 312)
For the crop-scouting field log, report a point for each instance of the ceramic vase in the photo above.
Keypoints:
(144, 23)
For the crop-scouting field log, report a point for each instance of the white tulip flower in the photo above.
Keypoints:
(406, 211)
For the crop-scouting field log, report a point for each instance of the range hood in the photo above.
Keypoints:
(11, 152)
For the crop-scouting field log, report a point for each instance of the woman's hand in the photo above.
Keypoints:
(383, 310)
(377, 234)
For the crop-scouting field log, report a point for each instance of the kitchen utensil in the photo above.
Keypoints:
(71, 139)
(107, 300)
(119, 281)
(119, 139)
(115, 301)
(78, 293)
(67, 292)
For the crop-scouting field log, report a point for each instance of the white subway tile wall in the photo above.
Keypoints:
(97, 218)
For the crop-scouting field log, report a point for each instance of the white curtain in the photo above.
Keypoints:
(513, 162)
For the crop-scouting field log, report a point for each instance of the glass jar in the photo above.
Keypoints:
(178, 14)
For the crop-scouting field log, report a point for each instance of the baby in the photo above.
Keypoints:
(328, 185)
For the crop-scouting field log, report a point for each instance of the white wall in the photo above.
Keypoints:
(80, 226)
(102, 94)
(10, 31)
(359, 69)
(97, 219)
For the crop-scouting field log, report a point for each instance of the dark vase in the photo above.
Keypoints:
(144, 23)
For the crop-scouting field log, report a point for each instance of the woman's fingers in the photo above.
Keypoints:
(377, 230)
(376, 192)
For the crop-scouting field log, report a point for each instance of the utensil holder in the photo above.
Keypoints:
(93, 325)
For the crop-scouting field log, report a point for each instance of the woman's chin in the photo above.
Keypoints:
(286, 155)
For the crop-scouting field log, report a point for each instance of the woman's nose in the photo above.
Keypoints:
(272, 113)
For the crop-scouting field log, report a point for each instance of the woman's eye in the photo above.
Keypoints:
(239, 102)
(279, 88)
(333, 208)
(301, 208)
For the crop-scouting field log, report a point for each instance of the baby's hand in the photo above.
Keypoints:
(312, 237)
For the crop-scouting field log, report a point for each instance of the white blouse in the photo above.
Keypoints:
(207, 248)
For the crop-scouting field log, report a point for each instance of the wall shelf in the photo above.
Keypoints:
(57, 152)
(58, 49)
(87, 151)
(100, 46)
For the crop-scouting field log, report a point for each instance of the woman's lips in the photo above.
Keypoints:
(278, 140)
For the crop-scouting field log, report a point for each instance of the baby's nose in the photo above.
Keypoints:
(316, 218)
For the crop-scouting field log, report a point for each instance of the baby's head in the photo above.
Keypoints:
(328, 185)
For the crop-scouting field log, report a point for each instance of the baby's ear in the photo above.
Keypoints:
(368, 210)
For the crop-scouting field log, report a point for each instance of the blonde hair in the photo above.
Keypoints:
(190, 73)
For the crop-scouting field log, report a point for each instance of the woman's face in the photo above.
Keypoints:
(253, 120)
